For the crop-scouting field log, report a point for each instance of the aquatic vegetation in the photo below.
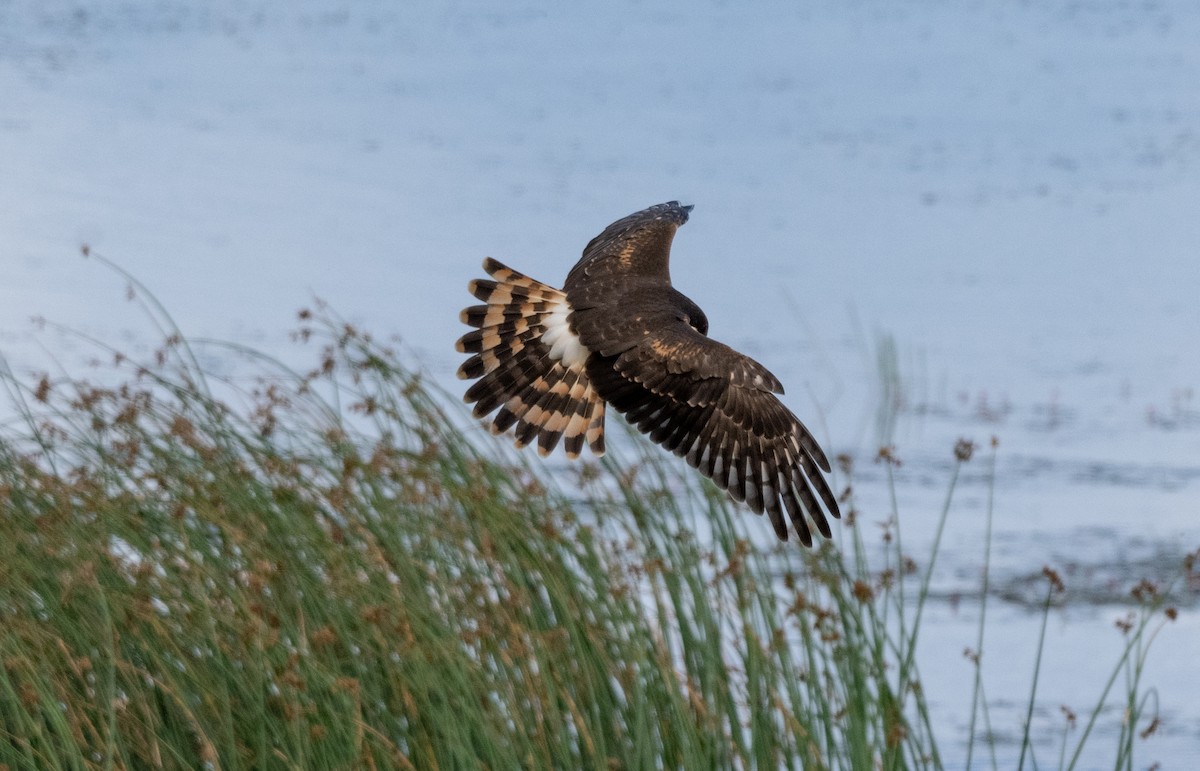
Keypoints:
(324, 570)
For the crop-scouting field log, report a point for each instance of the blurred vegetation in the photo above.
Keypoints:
(320, 570)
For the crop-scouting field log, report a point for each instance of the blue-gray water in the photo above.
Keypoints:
(997, 200)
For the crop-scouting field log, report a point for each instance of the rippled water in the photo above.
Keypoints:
(930, 220)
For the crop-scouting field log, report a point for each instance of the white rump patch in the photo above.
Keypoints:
(564, 344)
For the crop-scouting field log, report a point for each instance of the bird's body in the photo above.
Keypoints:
(619, 334)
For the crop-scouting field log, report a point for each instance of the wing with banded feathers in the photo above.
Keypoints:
(717, 408)
(529, 364)
(635, 246)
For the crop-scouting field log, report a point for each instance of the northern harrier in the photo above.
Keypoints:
(618, 333)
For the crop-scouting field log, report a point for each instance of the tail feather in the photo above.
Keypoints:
(577, 425)
(595, 429)
(517, 315)
(492, 337)
(506, 361)
(496, 293)
(498, 385)
(541, 391)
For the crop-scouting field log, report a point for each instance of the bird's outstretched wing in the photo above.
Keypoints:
(637, 245)
(717, 408)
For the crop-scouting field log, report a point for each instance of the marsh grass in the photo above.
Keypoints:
(319, 570)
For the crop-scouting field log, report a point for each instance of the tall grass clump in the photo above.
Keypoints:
(321, 570)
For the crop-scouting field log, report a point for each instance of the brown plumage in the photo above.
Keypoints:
(618, 333)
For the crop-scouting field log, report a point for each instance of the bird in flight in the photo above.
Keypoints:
(548, 361)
